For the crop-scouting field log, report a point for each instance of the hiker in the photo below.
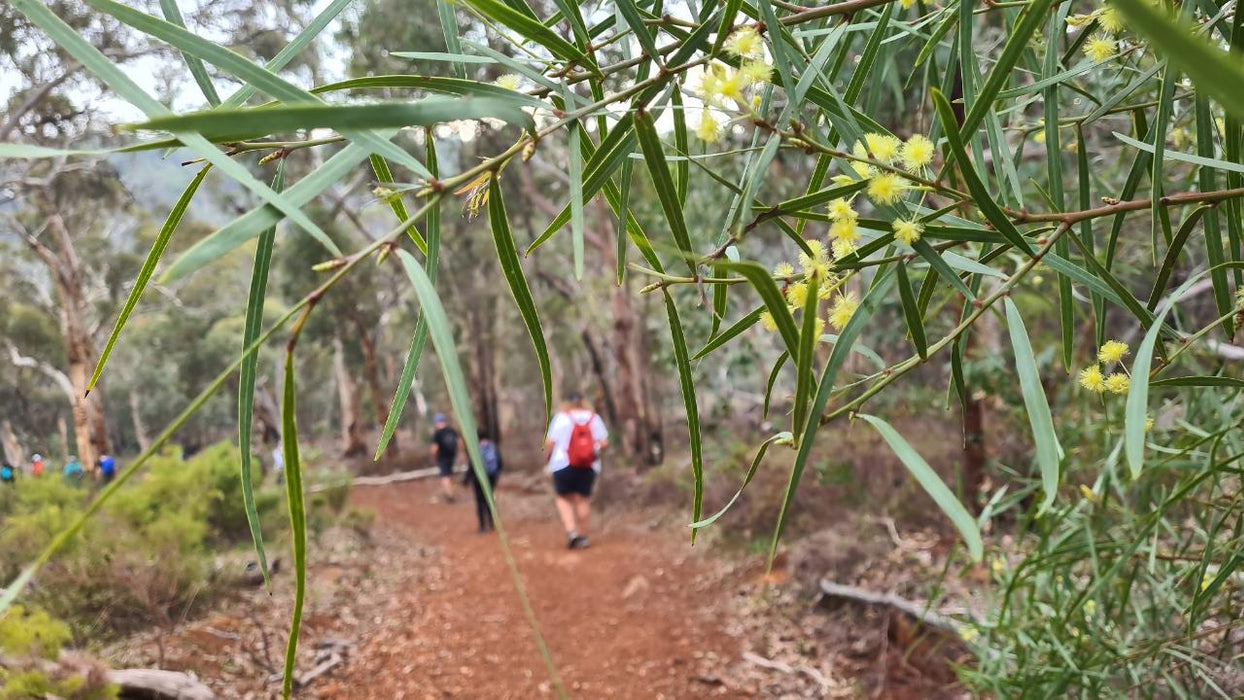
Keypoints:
(107, 468)
(36, 466)
(8, 474)
(445, 451)
(575, 440)
(73, 470)
(278, 464)
(491, 457)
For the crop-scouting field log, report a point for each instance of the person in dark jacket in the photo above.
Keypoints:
(491, 456)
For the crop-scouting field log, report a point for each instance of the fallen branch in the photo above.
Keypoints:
(155, 683)
(758, 660)
(919, 611)
(379, 480)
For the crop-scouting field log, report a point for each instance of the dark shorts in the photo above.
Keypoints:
(447, 468)
(571, 480)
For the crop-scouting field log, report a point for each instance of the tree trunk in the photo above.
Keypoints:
(13, 452)
(140, 428)
(62, 430)
(90, 421)
(636, 421)
(371, 374)
(483, 351)
(347, 393)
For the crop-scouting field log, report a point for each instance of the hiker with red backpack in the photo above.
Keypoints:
(575, 440)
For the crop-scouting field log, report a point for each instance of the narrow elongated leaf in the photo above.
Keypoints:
(113, 76)
(654, 158)
(420, 338)
(1034, 15)
(297, 517)
(532, 30)
(224, 124)
(807, 353)
(507, 254)
(1211, 69)
(147, 270)
(434, 83)
(1207, 181)
(449, 28)
(641, 31)
(291, 50)
(1199, 381)
(255, 298)
(842, 349)
(729, 334)
(173, 14)
(932, 484)
(1137, 407)
(243, 228)
(576, 198)
(1172, 255)
(911, 312)
(980, 195)
(747, 479)
(1035, 405)
(762, 280)
(686, 382)
(460, 400)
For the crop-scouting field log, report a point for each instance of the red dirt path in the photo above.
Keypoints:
(632, 617)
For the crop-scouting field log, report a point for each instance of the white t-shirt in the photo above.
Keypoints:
(562, 427)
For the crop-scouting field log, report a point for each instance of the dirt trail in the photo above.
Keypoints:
(633, 616)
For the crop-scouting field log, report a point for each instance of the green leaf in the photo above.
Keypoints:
(259, 219)
(687, 382)
(114, 77)
(148, 269)
(454, 56)
(532, 30)
(297, 517)
(1207, 181)
(729, 334)
(932, 484)
(911, 312)
(837, 357)
(434, 83)
(256, 296)
(1035, 405)
(807, 353)
(449, 28)
(751, 472)
(980, 195)
(654, 157)
(576, 197)
(645, 37)
(224, 124)
(1172, 254)
(460, 400)
(762, 280)
(1214, 71)
(507, 255)
(291, 50)
(1231, 382)
(420, 338)
(173, 14)
(1017, 41)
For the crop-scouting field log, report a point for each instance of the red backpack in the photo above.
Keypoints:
(582, 448)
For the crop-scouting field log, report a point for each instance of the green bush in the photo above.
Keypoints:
(31, 638)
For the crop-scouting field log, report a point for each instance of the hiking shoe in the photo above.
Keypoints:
(571, 537)
(579, 542)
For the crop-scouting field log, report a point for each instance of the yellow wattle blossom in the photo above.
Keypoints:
(885, 188)
(842, 248)
(1088, 494)
(817, 263)
(745, 42)
(1239, 298)
(968, 634)
(843, 309)
(767, 322)
(1118, 383)
(907, 4)
(917, 152)
(756, 72)
(907, 232)
(842, 209)
(820, 327)
(998, 565)
(1090, 608)
(797, 294)
(861, 169)
(826, 289)
(1080, 20)
(709, 131)
(1100, 47)
(884, 147)
(1111, 20)
(1148, 424)
(707, 89)
(845, 230)
(730, 84)
(1091, 378)
(783, 270)
(1112, 351)
(509, 81)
